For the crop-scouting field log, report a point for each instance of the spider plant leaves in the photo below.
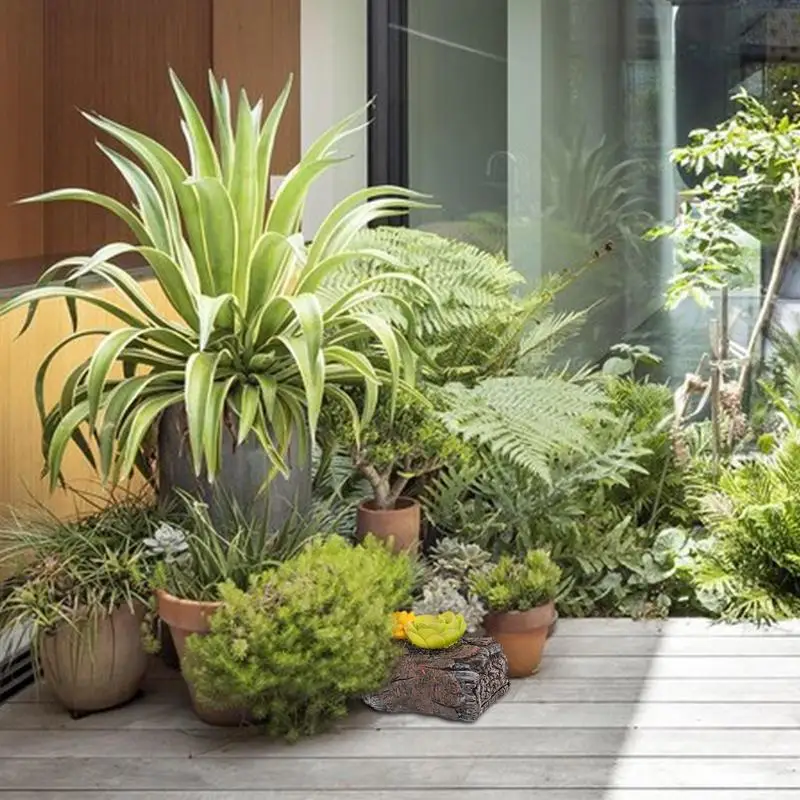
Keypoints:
(247, 407)
(137, 426)
(266, 146)
(215, 315)
(119, 210)
(205, 163)
(200, 374)
(65, 431)
(245, 185)
(118, 402)
(258, 330)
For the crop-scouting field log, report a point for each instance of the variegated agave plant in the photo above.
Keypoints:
(254, 332)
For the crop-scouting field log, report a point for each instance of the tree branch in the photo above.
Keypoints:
(397, 489)
(379, 483)
(773, 287)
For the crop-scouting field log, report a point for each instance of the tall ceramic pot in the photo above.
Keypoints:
(185, 618)
(95, 664)
(522, 635)
(401, 524)
(243, 470)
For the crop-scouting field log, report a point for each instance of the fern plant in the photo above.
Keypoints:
(752, 569)
(480, 319)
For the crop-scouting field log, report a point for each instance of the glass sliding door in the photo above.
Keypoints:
(457, 115)
(543, 129)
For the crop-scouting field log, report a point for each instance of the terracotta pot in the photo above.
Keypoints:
(522, 635)
(553, 625)
(401, 523)
(96, 664)
(187, 617)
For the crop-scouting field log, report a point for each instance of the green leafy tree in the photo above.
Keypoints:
(749, 179)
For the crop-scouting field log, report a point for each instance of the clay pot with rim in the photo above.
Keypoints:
(95, 664)
(401, 523)
(522, 635)
(187, 617)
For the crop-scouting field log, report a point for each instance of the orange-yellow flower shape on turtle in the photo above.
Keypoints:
(399, 621)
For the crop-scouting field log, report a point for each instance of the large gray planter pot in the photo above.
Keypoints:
(244, 469)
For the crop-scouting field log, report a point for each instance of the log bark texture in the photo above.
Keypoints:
(459, 683)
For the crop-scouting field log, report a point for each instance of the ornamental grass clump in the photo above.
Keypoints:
(306, 637)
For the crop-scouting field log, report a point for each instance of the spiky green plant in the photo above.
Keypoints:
(250, 336)
(73, 573)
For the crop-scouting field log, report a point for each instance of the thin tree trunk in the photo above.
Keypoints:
(397, 489)
(773, 288)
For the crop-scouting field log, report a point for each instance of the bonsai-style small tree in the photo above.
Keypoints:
(396, 446)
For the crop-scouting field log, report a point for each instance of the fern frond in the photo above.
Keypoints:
(478, 327)
(525, 420)
(543, 339)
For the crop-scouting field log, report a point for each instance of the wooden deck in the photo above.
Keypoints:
(622, 710)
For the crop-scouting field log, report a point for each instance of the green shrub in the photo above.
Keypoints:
(307, 636)
(518, 585)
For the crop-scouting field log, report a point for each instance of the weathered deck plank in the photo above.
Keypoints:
(354, 773)
(621, 710)
(437, 794)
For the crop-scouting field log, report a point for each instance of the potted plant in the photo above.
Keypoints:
(258, 334)
(305, 638)
(82, 594)
(402, 442)
(519, 595)
(197, 555)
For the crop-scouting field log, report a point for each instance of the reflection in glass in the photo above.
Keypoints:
(543, 128)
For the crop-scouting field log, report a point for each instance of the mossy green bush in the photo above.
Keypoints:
(307, 636)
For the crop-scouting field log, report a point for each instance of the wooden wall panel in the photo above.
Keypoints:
(112, 56)
(21, 126)
(20, 432)
(256, 45)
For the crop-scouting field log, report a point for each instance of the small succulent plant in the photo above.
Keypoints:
(451, 558)
(399, 621)
(430, 632)
(168, 542)
(447, 594)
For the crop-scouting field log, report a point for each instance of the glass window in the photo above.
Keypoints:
(543, 128)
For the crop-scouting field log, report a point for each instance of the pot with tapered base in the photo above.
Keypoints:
(185, 618)
(400, 524)
(97, 663)
(522, 635)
